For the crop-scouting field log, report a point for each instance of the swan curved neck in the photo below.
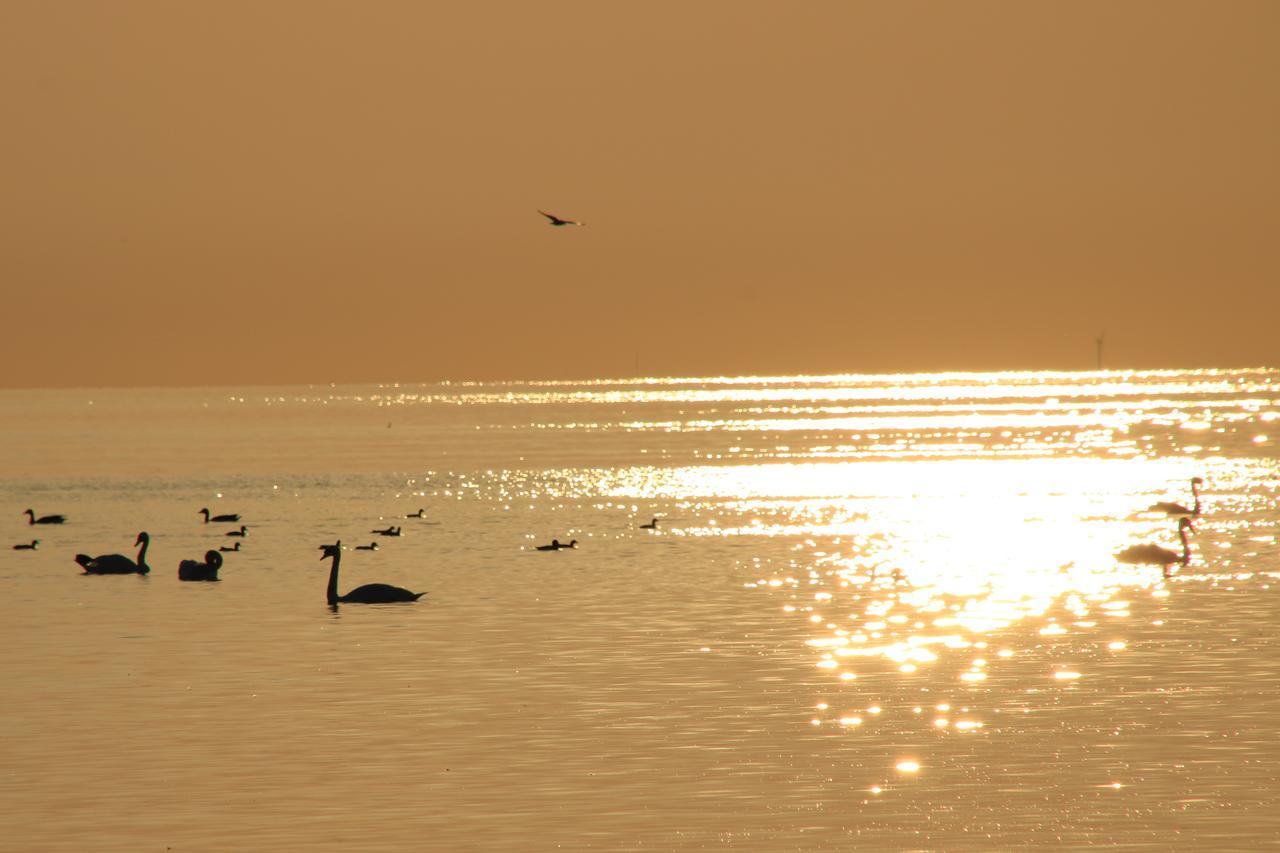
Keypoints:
(332, 592)
(1195, 493)
(142, 552)
(1186, 546)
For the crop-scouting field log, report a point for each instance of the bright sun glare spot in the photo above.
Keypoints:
(909, 766)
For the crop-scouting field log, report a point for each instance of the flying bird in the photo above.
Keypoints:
(557, 221)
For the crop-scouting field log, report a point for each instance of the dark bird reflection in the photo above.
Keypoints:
(194, 570)
(117, 564)
(370, 593)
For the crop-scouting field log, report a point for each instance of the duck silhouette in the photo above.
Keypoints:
(44, 519)
(372, 546)
(193, 570)
(35, 543)
(557, 545)
(370, 593)
(117, 564)
(390, 531)
(243, 531)
(652, 525)
(228, 517)
(235, 547)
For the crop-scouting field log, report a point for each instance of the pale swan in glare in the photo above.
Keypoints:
(370, 593)
(1176, 510)
(193, 570)
(117, 564)
(1155, 555)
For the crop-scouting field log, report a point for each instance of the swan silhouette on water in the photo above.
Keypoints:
(372, 546)
(243, 531)
(1175, 510)
(44, 519)
(35, 543)
(235, 547)
(228, 517)
(193, 570)
(117, 564)
(1155, 555)
(370, 593)
(652, 525)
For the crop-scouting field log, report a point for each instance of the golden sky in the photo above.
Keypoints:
(271, 192)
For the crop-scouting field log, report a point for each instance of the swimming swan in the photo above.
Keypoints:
(192, 570)
(370, 593)
(117, 564)
(1175, 510)
(1155, 555)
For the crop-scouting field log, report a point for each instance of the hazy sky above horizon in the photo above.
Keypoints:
(274, 192)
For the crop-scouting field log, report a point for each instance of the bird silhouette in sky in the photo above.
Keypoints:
(557, 221)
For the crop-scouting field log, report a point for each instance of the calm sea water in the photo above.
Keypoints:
(878, 612)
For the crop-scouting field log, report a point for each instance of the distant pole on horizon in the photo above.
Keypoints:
(1102, 337)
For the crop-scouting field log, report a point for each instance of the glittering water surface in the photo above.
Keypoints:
(878, 612)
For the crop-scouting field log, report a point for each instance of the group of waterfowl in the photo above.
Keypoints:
(207, 569)
(1158, 555)
(32, 519)
(557, 545)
